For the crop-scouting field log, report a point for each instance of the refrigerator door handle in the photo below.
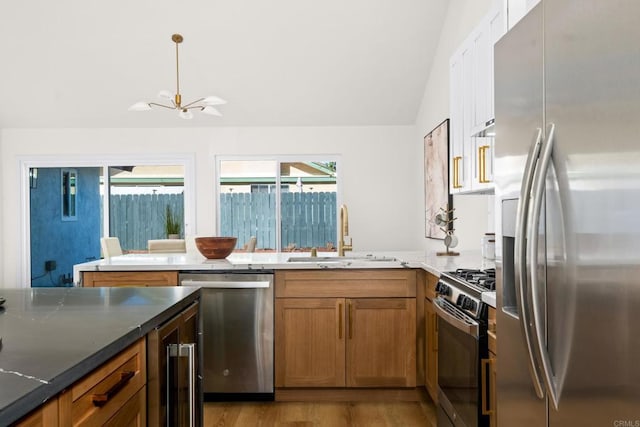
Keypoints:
(520, 259)
(537, 193)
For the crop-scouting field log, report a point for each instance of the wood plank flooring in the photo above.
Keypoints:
(320, 414)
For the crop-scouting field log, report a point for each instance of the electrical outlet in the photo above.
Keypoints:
(49, 265)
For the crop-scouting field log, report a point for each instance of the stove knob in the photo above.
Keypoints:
(467, 303)
(442, 289)
(461, 301)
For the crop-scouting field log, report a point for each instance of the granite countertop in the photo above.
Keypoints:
(51, 337)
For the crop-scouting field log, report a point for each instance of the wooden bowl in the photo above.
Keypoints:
(216, 247)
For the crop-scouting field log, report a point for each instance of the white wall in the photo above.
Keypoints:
(472, 211)
(378, 187)
(382, 167)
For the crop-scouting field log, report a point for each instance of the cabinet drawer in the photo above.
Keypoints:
(97, 397)
(133, 413)
(379, 283)
(95, 279)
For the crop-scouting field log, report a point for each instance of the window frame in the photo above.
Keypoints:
(25, 163)
(67, 197)
(278, 159)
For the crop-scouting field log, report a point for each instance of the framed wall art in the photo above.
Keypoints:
(436, 179)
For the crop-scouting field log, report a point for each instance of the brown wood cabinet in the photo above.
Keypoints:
(94, 279)
(491, 406)
(381, 340)
(45, 416)
(114, 394)
(431, 341)
(347, 328)
(310, 342)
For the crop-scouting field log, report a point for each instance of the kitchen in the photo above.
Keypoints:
(404, 189)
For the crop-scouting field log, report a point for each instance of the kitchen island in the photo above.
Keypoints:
(52, 337)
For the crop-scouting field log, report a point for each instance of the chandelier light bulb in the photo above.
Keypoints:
(211, 111)
(186, 114)
(140, 106)
(213, 100)
(203, 104)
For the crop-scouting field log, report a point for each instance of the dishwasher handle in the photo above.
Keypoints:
(227, 284)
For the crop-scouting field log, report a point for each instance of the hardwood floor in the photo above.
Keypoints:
(329, 414)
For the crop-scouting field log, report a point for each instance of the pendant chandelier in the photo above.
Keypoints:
(204, 105)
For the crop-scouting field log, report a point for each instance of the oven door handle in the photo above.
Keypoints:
(470, 328)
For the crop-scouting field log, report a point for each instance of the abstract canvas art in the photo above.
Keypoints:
(436, 178)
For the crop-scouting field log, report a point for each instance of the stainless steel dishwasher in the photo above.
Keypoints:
(237, 326)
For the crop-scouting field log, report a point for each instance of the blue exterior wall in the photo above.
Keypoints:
(65, 242)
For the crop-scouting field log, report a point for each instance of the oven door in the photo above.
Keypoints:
(459, 354)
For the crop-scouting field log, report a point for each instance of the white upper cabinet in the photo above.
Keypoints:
(471, 106)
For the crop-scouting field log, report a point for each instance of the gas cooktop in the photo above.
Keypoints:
(482, 280)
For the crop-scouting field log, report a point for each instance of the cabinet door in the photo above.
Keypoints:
(493, 406)
(472, 106)
(482, 84)
(133, 413)
(483, 163)
(456, 140)
(310, 342)
(431, 353)
(381, 342)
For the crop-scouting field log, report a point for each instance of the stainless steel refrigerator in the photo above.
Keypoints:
(567, 173)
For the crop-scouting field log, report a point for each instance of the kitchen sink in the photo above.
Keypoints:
(367, 258)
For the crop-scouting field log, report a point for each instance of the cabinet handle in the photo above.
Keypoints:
(480, 163)
(350, 321)
(486, 386)
(339, 321)
(482, 160)
(180, 351)
(456, 172)
(102, 399)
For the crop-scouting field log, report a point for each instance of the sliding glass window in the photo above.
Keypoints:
(280, 204)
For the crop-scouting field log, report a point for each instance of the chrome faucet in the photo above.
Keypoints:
(344, 231)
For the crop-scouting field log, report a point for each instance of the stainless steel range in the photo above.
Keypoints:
(462, 345)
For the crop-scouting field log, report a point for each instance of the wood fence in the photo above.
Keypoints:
(308, 219)
(137, 218)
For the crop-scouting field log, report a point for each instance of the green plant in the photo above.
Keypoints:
(171, 223)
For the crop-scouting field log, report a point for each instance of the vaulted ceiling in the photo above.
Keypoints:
(82, 63)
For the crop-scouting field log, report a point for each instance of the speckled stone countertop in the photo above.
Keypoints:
(52, 337)
(428, 261)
